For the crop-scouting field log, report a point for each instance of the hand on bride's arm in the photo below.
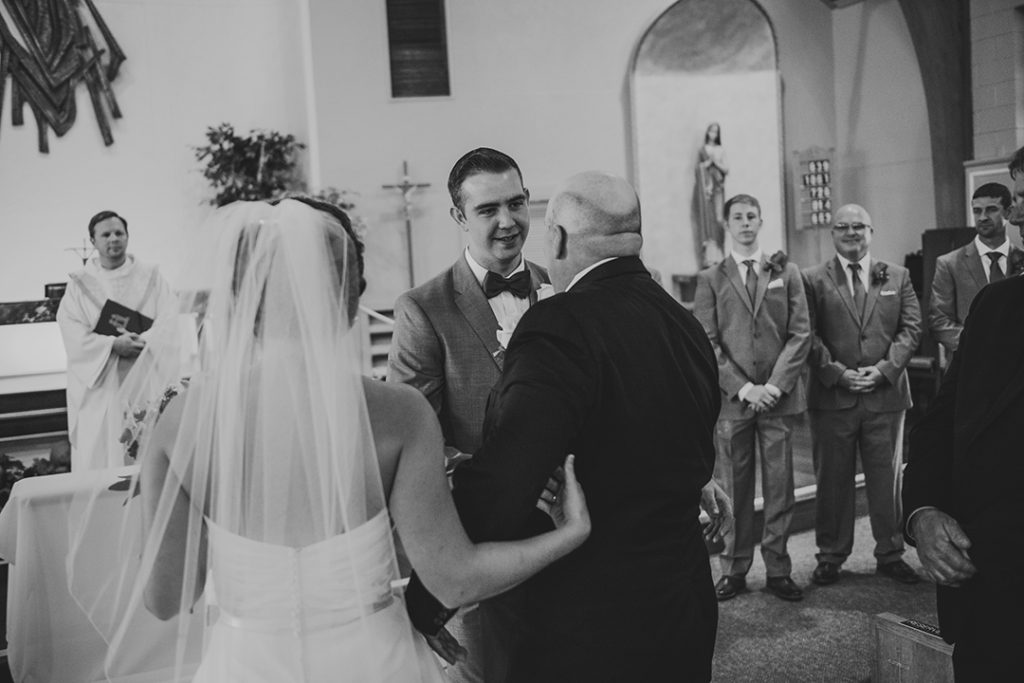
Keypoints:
(718, 506)
(563, 500)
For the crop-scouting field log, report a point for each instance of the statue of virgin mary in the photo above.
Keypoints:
(711, 171)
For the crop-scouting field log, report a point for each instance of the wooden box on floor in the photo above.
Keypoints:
(909, 651)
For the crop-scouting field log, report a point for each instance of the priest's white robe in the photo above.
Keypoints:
(95, 372)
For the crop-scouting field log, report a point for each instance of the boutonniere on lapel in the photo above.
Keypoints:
(1016, 261)
(776, 263)
(505, 329)
(879, 273)
(545, 291)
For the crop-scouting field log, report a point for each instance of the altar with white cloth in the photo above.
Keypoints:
(49, 636)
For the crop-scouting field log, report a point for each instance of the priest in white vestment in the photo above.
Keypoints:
(100, 352)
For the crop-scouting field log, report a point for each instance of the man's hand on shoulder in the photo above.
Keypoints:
(942, 547)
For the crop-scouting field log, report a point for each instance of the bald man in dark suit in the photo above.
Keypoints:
(613, 370)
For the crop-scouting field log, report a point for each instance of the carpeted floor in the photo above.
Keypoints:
(825, 637)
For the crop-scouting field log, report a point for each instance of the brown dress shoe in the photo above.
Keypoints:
(783, 587)
(728, 587)
(900, 571)
(825, 573)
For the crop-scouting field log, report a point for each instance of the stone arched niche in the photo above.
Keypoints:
(705, 61)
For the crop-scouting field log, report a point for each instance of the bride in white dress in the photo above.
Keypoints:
(269, 485)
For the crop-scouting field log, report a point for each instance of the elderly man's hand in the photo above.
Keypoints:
(942, 547)
(718, 506)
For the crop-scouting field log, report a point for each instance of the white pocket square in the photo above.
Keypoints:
(887, 292)
(775, 284)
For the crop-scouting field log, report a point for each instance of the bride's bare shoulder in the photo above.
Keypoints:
(393, 408)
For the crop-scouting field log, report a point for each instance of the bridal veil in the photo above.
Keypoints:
(253, 398)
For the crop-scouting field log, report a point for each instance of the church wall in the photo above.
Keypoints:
(997, 75)
(548, 83)
(883, 154)
(190, 65)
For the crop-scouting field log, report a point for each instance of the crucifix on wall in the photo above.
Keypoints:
(83, 252)
(407, 188)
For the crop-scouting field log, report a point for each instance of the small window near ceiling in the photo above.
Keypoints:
(419, 48)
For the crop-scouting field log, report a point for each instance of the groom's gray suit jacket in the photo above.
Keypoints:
(446, 345)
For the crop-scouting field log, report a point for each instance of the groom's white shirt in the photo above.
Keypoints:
(507, 307)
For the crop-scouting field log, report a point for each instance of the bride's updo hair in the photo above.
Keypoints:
(339, 215)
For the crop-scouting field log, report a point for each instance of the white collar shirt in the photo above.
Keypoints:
(507, 307)
(756, 257)
(865, 271)
(983, 250)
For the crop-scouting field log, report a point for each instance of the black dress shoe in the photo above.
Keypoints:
(783, 587)
(900, 571)
(728, 587)
(825, 573)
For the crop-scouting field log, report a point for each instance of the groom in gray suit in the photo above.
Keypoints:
(450, 336)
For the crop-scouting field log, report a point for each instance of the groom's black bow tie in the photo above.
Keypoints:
(518, 284)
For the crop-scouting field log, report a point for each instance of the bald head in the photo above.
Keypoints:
(592, 216)
(852, 213)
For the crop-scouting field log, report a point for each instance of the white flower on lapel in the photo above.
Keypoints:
(545, 291)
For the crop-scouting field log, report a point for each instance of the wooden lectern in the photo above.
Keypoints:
(909, 651)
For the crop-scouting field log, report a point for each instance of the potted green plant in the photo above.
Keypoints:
(260, 165)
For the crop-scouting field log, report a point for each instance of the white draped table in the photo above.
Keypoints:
(50, 639)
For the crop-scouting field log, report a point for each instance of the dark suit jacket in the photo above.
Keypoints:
(445, 344)
(885, 337)
(966, 454)
(765, 342)
(617, 372)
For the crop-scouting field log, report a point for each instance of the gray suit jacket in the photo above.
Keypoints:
(959, 276)
(763, 343)
(886, 337)
(446, 345)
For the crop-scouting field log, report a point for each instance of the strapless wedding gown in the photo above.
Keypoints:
(324, 612)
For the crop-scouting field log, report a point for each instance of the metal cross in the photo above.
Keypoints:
(83, 252)
(407, 188)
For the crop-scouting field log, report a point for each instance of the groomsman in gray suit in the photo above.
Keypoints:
(960, 274)
(866, 323)
(449, 340)
(754, 310)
